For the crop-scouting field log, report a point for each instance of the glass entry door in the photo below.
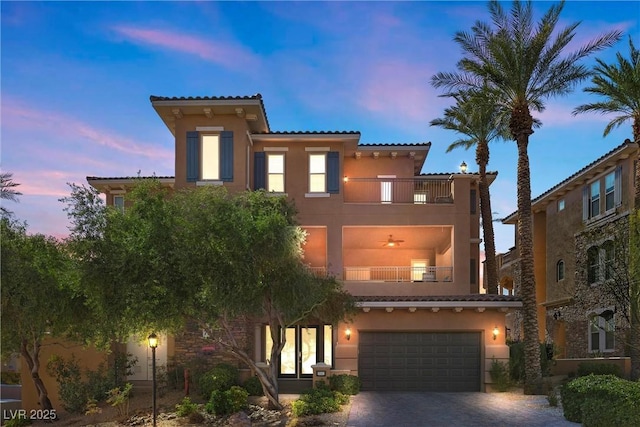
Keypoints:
(300, 352)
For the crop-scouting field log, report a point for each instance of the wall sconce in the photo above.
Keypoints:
(345, 179)
(496, 331)
(463, 167)
(347, 333)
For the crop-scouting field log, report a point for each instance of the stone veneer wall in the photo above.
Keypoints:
(513, 319)
(592, 297)
(193, 350)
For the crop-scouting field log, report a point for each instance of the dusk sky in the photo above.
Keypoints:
(76, 79)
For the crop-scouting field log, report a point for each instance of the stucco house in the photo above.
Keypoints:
(404, 242)
(580, 259)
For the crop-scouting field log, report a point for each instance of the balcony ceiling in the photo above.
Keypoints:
(414, 237)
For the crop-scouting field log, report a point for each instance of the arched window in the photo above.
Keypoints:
(608, 252)
(593, 265)
(560, 270)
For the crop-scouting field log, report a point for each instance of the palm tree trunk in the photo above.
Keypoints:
(482, 158)
(521, 126)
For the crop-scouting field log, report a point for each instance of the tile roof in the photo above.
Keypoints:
(309, 132)
(390, 144)
(104, 178)
(441, 298)
(627, 142)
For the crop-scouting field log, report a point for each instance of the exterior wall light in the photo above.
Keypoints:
(345, 179)
(496, 331)
(347, 333)
(463, 167)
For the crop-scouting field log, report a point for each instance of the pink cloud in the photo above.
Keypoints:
(20, 118)
(44, 182)
(226, 54)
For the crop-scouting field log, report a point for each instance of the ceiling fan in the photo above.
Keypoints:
(391, 242)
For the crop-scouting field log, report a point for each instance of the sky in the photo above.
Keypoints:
(75, 80)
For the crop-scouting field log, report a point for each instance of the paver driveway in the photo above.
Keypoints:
(415, 409)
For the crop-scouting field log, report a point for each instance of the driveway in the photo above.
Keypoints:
(415, 409)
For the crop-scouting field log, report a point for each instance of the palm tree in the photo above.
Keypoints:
(475, 115)
(619, 85)
(524, 64)
(7, 191)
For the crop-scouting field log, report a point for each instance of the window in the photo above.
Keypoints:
(118, 202)
(593, 265)
(275, 173)
(560, 205)
(560, 270)
(209, 156)
(601, 331)
(594, 209)
(609, 193)
(317, 173)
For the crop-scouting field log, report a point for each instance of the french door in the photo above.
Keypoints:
(300, 352)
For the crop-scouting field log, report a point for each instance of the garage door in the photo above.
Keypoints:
(419, 361)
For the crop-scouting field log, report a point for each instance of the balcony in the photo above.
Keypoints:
(418, 191)
(398, 274)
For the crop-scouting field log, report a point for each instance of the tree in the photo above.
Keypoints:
(244, 254)
(38, 297)
(619, 86)
(476, 116)
(524, 64)
(8, 191)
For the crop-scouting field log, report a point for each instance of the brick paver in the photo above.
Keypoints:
(415, 409)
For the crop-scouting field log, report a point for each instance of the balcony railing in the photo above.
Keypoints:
(398, 190)
(398, 274)
(318, 271)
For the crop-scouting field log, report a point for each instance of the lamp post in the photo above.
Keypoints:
(153, 343)
(463, 167)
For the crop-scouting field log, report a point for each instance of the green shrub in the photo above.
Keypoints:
(221, 377)
(227, 402)
(253, 386)
(586, 368)
(19, 421)
(186, 407)
(499, 372)
(346, 384)
(119, 398)
(10, 377)
(601, 400)
(73, 392)
(319, 400)
(516, 360)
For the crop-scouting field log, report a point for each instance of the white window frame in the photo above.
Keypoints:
(272, 176)
(120, 207)
(386, 189)
(609, 191)
(209, 148)
(560, 270)
(318, 173)
(594, 199)
(561, 205)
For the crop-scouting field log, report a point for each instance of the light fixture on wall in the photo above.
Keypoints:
(463, 167)
(346, 178)
(347, 333)
(496, 331)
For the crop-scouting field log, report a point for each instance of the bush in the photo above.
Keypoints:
(587, 368)
(601, 400)
(72, 391)
(10, 377)
(319, 400)
(119, 398)
(346, 384)
(253, 386)
(186, 407)
(227, 402)
(516, 360)
(18, 421)
(222, 377)
(500, 375)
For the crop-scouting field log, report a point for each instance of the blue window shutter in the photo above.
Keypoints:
(259, 170)
(333, 172)
(193, 156)
(226, 155)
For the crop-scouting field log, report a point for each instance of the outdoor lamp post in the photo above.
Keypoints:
(463, 167)
(153, 343)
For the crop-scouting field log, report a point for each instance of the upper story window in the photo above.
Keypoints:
(594, 208)
(608, 254)
(118, 203)
(601, 262)
(607, 189)
(593, 265)
(560, 270)
(560, 205)
(210, 155)
(275, 172)
(317, 172)
(602, 331)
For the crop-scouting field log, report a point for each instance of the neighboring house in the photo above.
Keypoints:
(580, 257)
(406, 244)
